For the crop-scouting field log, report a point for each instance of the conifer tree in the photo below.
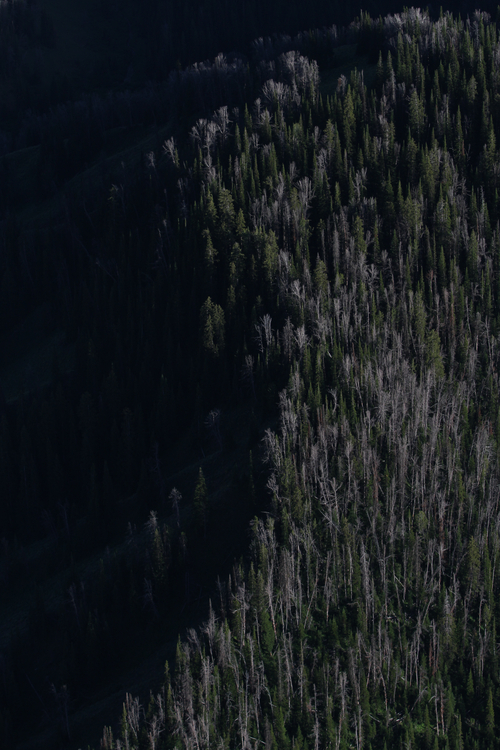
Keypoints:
(201, 502)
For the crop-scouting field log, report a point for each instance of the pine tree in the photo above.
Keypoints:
(470, 688)
(201, 502)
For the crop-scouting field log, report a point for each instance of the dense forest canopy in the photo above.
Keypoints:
(262, 287)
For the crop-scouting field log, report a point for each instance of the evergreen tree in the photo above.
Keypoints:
(201, 502)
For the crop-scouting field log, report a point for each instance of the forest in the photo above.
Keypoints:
(249, 378)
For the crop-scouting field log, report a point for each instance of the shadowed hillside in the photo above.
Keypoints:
(249, 421)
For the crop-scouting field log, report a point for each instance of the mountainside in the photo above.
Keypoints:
(265, 287)
(368, 220)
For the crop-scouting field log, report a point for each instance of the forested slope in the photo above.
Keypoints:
(350, 254)
(278, 289)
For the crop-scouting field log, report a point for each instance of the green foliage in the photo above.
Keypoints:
(212, 323)
(433, 355)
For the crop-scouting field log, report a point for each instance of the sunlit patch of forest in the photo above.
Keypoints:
(250, 427)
